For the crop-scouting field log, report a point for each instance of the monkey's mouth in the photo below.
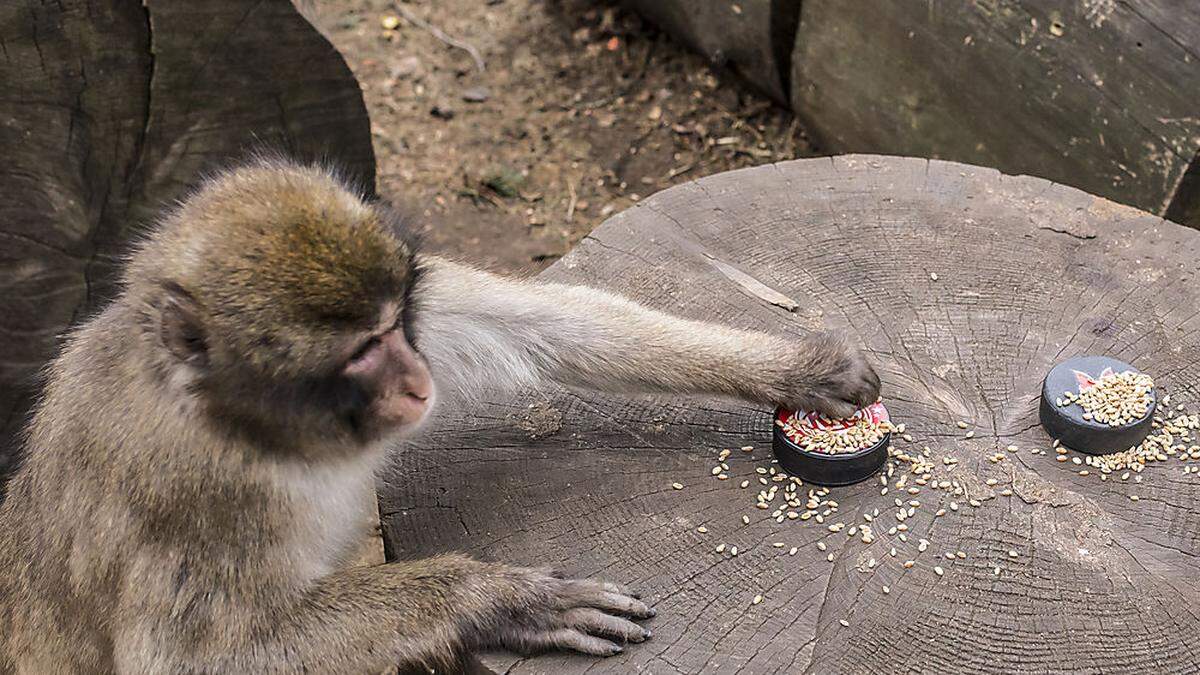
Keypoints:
(392, 415)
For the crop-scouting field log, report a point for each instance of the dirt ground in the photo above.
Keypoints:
(579, 110)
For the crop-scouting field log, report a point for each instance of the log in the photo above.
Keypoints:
(111, 111)
(1029, 273)
(1097, 95)
(753, 37)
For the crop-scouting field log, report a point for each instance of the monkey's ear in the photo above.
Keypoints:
(182, 330)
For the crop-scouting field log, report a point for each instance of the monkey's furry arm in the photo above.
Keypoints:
(371, 618)
(511, 332)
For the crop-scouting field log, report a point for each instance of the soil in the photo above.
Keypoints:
(581, 110)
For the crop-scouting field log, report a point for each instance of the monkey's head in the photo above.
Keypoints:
(283, 304)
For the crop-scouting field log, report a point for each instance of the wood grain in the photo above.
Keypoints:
(1029, 272)
(1100, 95)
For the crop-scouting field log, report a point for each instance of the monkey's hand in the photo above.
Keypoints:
(825, 374)
(550, 612)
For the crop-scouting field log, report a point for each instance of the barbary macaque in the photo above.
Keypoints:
(193, 476)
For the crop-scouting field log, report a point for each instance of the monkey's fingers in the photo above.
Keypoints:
(595, 622)
(613, 603)
(618, 588)
(575, 640)
(834, 408)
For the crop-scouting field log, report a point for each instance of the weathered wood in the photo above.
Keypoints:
(109, 111)
(753, 37)
(1098, 95)
(1029, 272)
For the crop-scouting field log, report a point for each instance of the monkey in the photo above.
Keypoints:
(194, 471)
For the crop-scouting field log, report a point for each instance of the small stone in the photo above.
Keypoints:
(476, 94)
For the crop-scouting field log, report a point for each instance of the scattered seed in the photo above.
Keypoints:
(757, 599)
(939, 571)
(677, 486)
(845, 623)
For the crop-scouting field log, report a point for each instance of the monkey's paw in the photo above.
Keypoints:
(829, 376)
(592, 617)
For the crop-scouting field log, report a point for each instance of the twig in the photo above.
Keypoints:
(571, 204)
(679, 171)
(437, 33)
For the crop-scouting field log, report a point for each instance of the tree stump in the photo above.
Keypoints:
(1028, 273)
(110, 112)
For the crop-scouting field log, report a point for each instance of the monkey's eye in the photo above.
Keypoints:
(363, 349)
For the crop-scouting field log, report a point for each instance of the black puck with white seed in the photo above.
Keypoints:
(824, 451)
(1097, 405)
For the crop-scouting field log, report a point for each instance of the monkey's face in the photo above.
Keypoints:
(394, 378)
(285, 303)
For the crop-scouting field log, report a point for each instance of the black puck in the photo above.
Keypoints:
(1065, 421)
(826, 468)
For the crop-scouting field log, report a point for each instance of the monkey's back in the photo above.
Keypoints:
(58, 534)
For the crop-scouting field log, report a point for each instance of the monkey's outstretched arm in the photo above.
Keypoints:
(411, 613)
(521, 332)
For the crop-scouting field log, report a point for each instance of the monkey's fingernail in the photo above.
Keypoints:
(653, 612)
(617, 649)
(647, 634)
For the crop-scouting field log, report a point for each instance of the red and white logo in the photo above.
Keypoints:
(1087, 381)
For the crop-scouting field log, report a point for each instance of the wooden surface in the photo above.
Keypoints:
(1098, 95)
(753, 37)
(110, 111)
(1029, 273)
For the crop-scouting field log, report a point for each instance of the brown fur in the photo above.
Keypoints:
(188, 510)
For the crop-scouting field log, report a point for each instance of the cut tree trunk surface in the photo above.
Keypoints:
(111, 111)
(1028, 273)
